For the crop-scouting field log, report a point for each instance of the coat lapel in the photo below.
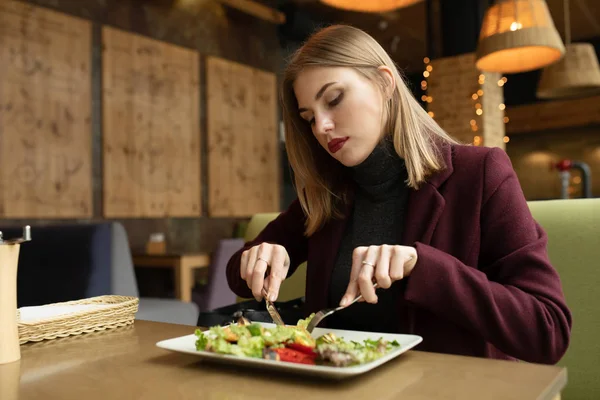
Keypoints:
(424, 209)
(425, 205)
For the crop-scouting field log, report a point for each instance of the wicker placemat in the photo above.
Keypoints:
(111, 312)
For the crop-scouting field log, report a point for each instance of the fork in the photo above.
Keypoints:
(328, 311)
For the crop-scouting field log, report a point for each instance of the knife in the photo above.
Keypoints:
(272, 310)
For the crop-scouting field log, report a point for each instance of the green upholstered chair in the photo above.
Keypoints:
(573, 228)
(291, 288)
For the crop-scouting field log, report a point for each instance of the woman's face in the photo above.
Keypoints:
(344, 110)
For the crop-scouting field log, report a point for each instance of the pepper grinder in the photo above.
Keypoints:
(9, 259)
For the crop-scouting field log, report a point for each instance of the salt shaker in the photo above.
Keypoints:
(9, 260)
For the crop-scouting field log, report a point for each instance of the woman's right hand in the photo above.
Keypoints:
(256, 261)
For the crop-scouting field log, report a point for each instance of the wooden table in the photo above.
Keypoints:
(125, 364)
(184, 266)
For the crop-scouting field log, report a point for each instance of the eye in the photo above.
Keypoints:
(337, 100)
(312, 121)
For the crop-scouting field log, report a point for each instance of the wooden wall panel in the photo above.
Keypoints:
(243, 159)
(45, 114)
(151, 127)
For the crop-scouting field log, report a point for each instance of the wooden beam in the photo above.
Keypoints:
(257, 10)
(551, 115)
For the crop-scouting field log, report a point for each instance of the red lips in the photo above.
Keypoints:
(336, 144)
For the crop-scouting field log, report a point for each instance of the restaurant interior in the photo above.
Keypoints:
(142, 144)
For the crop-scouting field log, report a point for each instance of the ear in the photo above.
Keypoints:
(388, 75)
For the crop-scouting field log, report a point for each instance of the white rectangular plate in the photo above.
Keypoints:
(187, 344)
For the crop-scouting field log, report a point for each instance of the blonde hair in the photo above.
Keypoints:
(316, 174)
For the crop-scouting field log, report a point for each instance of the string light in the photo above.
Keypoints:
(477, 99)
(426, 74)
(426, 98)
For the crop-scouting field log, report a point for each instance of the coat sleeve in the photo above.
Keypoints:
(286, 230)
(514, 298)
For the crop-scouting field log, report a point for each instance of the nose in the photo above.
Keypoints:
(323, 125)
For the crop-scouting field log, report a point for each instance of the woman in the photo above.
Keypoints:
(386, 196)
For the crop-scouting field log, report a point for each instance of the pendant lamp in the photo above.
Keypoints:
(518, 36)
(374, 6)
(576, 74)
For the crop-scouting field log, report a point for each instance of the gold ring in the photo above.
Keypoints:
(368, 263)
(266, 262)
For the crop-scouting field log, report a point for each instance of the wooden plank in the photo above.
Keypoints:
(151, 127)
(45, 114)
(555, 114)
(220, 135)
(243, 160)
(268, 170)
(256, 9)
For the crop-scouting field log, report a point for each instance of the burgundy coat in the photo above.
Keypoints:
(483, 284)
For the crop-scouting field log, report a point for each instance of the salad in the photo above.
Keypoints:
(289, 343)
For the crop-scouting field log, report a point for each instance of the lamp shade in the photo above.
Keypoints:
(374, 6)
(518, 36)
(576, 74)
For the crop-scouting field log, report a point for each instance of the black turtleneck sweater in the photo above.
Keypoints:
(377, 218)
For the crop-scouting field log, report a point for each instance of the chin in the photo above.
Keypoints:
(348, 159)
(349, 164)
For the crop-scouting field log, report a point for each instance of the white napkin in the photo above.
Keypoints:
(35, 313)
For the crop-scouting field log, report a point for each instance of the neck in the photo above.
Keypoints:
(383, 165)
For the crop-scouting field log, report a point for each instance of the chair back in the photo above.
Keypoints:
(217, 292)
(63, 262)
(573, 228)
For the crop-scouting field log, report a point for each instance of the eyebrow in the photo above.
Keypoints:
(319, 94)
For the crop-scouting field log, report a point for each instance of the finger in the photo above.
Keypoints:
(252, 256)
(365, 283)
(358, 255)
(367, 274)
(410, 260)
(382, 268)
(397, 264)
(257, 281)
(352, 290)
(244, 264)
(264, 252)
(279, 270)
(263, 260)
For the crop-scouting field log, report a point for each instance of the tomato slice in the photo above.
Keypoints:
(301, 348)
(291, 355)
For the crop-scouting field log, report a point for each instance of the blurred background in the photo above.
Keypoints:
(163, 115)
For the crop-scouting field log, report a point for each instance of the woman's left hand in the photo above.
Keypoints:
(384, 264)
